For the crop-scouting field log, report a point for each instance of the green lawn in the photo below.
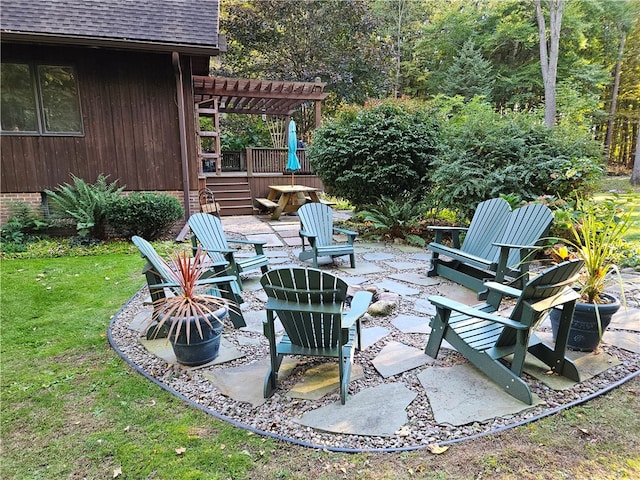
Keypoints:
(71, 408)
(626, 193)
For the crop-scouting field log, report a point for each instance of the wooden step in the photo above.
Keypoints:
(233, 195)
(237, 210)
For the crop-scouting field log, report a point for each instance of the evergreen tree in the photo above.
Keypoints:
(470, 74)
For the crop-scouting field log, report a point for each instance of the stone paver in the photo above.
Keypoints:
(628, 318)
(397, 287)
(271, 253)
(292, 241)
(321, 380)
(272, 239)
(354, 280)
(411, 324)
(424, 306)
(378, 411)
(371, 335)
(404, 266)
(416, 278)
(588, 365)
(245, 383)
(161, 347)
(463, 394)
(361, 269)
(627, 340)
(141, 321)
(397, 357)
(377, 256)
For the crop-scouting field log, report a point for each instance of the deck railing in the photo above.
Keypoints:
(262, 160)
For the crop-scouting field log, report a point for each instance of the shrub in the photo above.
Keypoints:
(85, 204)
(22, 223)
(368, 152)
(396, 218)
(487, 153)
(149, 215)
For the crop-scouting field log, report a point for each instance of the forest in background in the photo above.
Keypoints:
(373, 49)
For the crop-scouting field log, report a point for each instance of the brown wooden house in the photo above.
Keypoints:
(107, 87)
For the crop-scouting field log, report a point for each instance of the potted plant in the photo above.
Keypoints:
(192, 317)
(595, 231)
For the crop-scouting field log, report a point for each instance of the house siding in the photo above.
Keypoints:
(130, 118)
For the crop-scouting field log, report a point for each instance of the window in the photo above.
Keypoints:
(40, 99)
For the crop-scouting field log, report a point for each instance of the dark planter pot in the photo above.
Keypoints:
(584, 335)
(199, 350)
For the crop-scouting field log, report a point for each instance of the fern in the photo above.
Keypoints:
(85, 204)
(395, 218)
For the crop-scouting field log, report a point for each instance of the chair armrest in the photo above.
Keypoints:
(455, 233)
(202, 281)
(345, 231)
(359, 305)
(449, 304)
(349, 233)
(218, 250)
(565, 296)
(504, 289)
(257, 244)
(513, 245)
(302, 233)
(446, 228)
(249, 242)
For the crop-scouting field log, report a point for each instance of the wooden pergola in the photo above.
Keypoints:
(261, 97)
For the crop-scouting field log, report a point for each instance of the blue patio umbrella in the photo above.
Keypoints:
(293, 164)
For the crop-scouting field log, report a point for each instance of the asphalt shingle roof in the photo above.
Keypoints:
(172, 22)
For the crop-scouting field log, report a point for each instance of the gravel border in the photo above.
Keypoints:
(276, 417)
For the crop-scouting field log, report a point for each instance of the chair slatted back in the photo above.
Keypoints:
(552, 282)
(209, 232)
(155, 264)
(486, 225)
(317, 219)
(309, 304)
(525, 226)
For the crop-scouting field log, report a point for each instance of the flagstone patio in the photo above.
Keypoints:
(400, 398)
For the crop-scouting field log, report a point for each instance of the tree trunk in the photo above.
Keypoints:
(635, 173)
(614, 97)
(549, 55)
(401, 7)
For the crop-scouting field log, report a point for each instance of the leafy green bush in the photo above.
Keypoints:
(149, 215)
(487, 153)
(22, 223)
(368, 152)
(396, 218)
(85, 204)
(241, 131)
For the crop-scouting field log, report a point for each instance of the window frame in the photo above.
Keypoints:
(34, 68)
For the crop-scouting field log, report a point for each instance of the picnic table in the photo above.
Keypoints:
(288, 198)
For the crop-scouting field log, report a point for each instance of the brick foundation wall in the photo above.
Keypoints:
(35, 201)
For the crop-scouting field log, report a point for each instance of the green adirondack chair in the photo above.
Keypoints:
(209, 234)
(502, 243)
(518, 241)
(316, 229)
(310, 304)
(157, 277)
(486, 224)
(484, 338)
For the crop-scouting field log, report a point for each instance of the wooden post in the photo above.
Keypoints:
(249, 155)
